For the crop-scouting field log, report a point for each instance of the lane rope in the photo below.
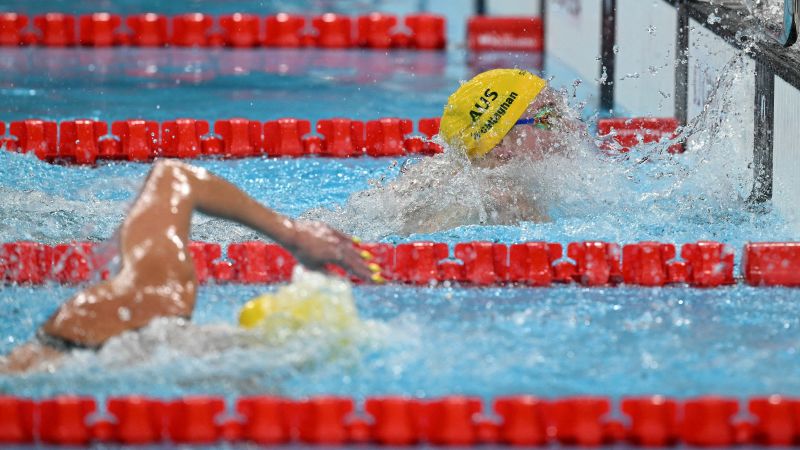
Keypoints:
(703, 264)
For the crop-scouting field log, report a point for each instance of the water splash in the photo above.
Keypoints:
(647, 189)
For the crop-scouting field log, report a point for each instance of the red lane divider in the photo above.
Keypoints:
(704, 264)
(630, 132)
(85, 141)
(333, 31)
(772, 263)
(486, 33)
(455, 420)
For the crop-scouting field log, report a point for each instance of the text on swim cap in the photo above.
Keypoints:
(496, 116)
(482, 104)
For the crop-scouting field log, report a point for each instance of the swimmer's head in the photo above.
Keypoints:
(312, 299)
(483, 110)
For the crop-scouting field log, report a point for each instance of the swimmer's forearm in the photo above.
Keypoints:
(216, 197)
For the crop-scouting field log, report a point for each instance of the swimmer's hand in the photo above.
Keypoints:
(316, 244)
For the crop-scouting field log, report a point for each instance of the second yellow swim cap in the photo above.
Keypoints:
(484, 109)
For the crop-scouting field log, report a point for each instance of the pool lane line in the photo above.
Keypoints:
(703, 264)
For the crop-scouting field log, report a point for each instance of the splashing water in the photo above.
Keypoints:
(702, 193)
(315, 323)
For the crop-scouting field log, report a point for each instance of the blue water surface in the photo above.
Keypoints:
(428, 341)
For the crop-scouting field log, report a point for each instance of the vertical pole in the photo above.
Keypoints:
(543, 16)
(608, 58)
(763, 143)
(682, 64)
(480, 7)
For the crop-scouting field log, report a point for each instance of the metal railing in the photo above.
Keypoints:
(782, 27)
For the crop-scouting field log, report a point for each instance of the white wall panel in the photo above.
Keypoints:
(573, 35)
(457, 13)
(645, 61)
(786, 153)
(708, 57)
(514, 7)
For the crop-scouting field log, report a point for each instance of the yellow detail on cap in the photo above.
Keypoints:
(484, 109)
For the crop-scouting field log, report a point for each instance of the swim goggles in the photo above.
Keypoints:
(542, 118)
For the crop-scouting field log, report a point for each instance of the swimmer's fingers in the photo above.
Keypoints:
(354, 263)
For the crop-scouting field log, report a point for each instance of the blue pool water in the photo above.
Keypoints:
(416, 341)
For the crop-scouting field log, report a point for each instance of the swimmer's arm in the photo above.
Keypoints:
(314, 244)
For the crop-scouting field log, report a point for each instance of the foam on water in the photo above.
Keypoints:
(436, 341)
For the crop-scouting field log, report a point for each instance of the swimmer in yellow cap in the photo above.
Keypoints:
(157, 277)
(501, 112)
(504, 121)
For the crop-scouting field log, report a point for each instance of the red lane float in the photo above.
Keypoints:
(72, 263)
(240, 30)
(483, 263)
(36, 136)
(333, 31)
(55, 29)
(181, 138)
(191, 30)
(62, 420)
(25, 262)
(139, 139)
(710, 263)
(524, 420)
(450, 421)
(193, 420)
(708, 422)
(776, 420)
(342, 137)
(597, 263)
(137, 420)
(375, 30)
(630, 132)
(427, 31)
(99, 29)
(429, 128)
(16, 420)
(524, 34)
(265, 420)
(284, 30)
(580, 420)
(385, 137)
(240, 137)
(416, 262)
(148, 30)
(532, 263)
(771, 264)
(653, 421)
(79, 140)
(648, 264)
(395, 420)
(11, 26)
(284, 137)
(321, 420)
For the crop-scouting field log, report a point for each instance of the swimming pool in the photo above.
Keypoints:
(419, 341)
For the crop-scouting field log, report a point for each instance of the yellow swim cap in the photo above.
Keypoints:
(311, 299)
(483, 110)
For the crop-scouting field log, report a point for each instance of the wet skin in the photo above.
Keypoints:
(157, 277)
